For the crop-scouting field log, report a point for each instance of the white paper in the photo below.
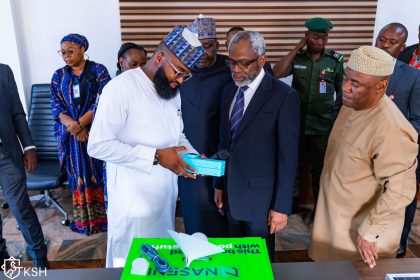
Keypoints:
(194, 247)
(139, 266)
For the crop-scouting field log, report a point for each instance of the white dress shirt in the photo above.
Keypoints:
(249, 93)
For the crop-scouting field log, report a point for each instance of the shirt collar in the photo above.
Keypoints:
(256, 82)
(308, 55)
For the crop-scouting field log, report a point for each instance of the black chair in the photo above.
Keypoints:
(47, 175)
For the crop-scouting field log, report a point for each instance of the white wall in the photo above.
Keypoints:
(9, 48)
(41, 24)
(402, 11)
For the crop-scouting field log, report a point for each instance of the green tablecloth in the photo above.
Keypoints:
(244, 258)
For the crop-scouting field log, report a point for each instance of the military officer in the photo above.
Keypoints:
(317, 76)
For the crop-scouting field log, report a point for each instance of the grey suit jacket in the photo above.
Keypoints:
(13, 124)
(404, 89)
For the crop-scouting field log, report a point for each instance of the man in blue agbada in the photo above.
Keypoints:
(201, 114)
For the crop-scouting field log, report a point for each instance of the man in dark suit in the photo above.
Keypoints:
(260, 132)
(411, 54)
(404, 90)
(200, 106)
(15, 134)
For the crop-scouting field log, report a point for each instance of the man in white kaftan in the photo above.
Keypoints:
(138, 131)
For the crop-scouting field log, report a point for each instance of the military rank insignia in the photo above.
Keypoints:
(336, 55)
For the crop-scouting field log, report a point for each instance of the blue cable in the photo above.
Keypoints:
(161, 264)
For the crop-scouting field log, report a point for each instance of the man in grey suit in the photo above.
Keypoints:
(15, 134)
(404, 90)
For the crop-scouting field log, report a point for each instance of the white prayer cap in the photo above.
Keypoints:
(372, 61)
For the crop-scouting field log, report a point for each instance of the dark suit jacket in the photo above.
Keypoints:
(263, 158)
(13, 123)
(268, 69)
(406, 55)
(404, 89)
(200, 106)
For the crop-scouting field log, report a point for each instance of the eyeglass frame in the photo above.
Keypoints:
(60, 53)
(178, 73)
(241, 65)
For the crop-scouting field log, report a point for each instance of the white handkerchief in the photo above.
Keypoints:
(194, 247)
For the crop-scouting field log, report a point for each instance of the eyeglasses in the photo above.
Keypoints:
(178, 73)
(69, 52)
(241, 64)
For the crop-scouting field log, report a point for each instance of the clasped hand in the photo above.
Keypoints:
(73, 128)
(81, 133)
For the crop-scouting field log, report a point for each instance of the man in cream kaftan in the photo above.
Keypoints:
(369, 171)
(368, 152)
(138, 131)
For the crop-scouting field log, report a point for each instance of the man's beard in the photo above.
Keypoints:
(248, 78)
(162, 86)
(245, 82)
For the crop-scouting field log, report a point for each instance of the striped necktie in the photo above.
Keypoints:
(237, 111)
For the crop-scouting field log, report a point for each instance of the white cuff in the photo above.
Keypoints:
(28, 148)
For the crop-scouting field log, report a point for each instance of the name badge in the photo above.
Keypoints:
(76, 91)
(322, 87)
(299, 66)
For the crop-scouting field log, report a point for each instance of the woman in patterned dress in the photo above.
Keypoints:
(74, 89)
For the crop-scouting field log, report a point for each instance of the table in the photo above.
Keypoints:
(342, 270)
(387, 266)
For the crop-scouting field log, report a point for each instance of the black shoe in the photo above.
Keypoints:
(402, 250)
(3, 256)
(295, 207)
(41, 263)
